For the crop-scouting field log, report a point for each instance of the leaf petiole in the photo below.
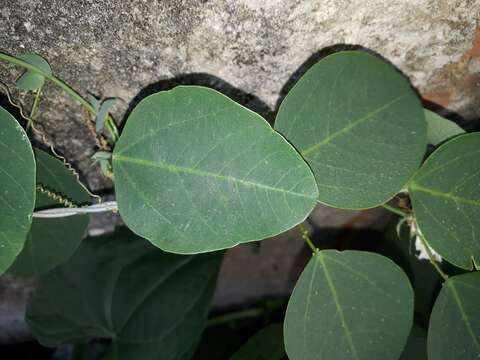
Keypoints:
(33, 112)
(395, 210)
(306, 237)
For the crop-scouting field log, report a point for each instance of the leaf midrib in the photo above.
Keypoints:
(338, 306)
(187, 170)
(444, 195)
(465, 319)
(350, 126)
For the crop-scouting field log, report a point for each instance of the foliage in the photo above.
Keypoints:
(207, 174)
(360, 312)
(266, 345)
(440, 129)
(341, 116)
(30, 80)
(17, 196)
(56, 186)
(445, 199)
(457, 306)
(164, 313)
(195, 172)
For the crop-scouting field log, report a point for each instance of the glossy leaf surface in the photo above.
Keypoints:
(267, 344)
(152, 304)
(17, 192)
(52, 241)
(349, 305)
(359, 125)
(445, 196)
(440, 129)
(31, 80)
(454, 331)
(196, 172)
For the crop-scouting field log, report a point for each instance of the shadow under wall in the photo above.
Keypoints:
(255, 104)
(312, 60)
(469, 125)
(250, 101)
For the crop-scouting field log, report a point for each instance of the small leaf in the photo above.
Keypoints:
(416, 348)
(196, 172)
(266, 345)
(102, 155)
(359, 125)
(446, 200)
(103, 113)
(31, 80)
(349, 305)
(51, 242)
(440, 129)
(94, 102)
(150, 303)
(17, 192)
(454, 331)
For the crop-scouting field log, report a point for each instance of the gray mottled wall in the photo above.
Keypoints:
(252, 50)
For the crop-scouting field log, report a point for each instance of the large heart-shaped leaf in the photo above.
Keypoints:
(266, 345)
(445, 196)
(359, 125)
(52, 241)
(454, 331)
(349, 305)
(17, 194)
(150, 303)
(440, 129)
(195, 172)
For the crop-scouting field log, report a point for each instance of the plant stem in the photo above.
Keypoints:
(110, 124)
(237, 315)
(33, 112)
(394, 210)
(431, 258)
(307, 239)
(65, 212)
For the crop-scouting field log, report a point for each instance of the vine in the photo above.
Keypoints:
(196, 173)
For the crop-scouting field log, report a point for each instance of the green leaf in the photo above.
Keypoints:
(446, 200)
(359, 125)
(266, 345)
(152, 304)
(196, 172)
(416, 348)
(454, 331)
(440, 129)
(17, 194)
(349, 305)
(31, 80)
(103, 113)
(94, 102)
(102, 155)
(425, 280)
(51, 242)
